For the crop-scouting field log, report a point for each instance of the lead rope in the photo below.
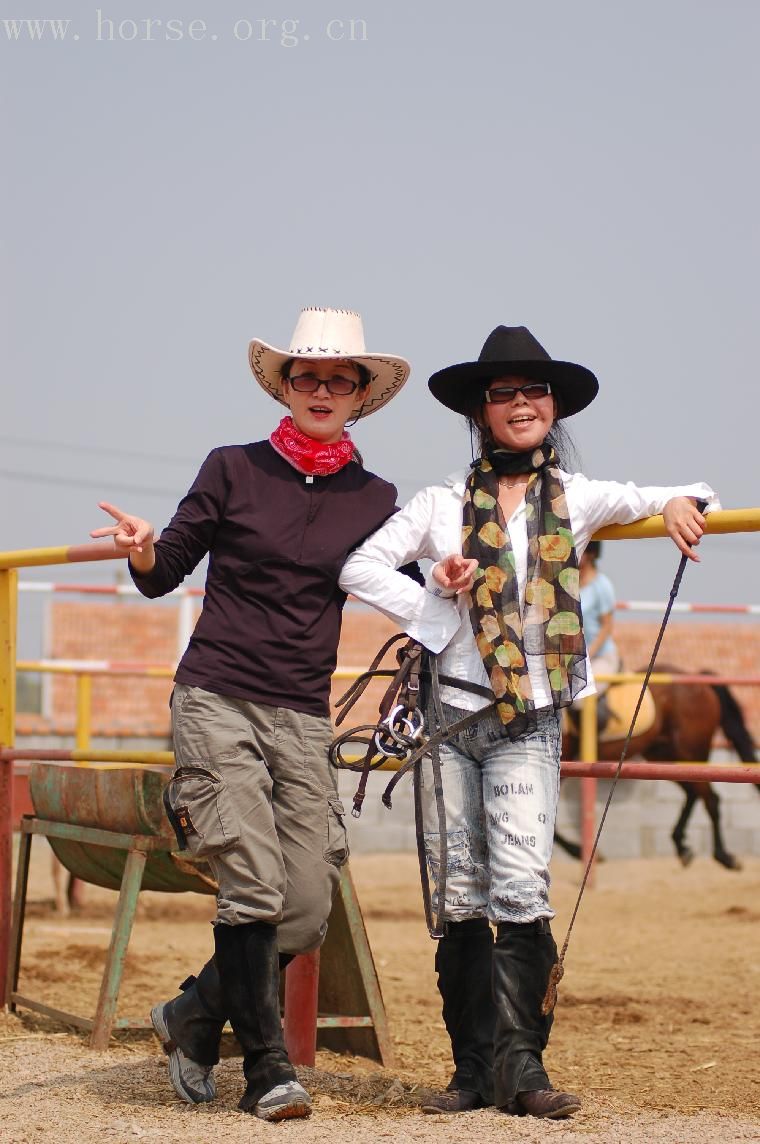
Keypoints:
(558, 969)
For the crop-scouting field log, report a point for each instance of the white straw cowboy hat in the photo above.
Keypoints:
(324, 333)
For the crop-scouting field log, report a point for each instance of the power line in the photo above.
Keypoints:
(100, 486)
(100, 452)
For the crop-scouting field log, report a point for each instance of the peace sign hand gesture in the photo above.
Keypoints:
(131, 534)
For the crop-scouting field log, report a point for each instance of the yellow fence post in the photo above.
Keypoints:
(8, 599)
(588, 753)
(84, 711)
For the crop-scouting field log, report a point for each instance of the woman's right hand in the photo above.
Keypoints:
(455, 573)
(684, 524)
(131, 534)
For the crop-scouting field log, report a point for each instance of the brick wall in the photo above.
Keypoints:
(122, 706)
(145, 632)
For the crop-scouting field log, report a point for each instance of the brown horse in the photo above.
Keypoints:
(687, 716)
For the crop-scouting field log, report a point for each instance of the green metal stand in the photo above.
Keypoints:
(137, 852)
(137, 848)
(117, 951)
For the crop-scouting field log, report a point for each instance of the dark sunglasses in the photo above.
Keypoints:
(501, 394)
(337, 386)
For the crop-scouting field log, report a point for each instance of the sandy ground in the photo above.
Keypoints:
(658, 1023)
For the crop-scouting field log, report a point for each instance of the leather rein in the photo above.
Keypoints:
(399, 735)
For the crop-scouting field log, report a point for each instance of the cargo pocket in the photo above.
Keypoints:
(202, 811)
(336, 852)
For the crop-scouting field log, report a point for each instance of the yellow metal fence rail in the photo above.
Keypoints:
(732, 520)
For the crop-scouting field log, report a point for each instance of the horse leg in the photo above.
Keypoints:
(712, 806)
(684, 852)
(571, 848)
(75, 892)
(60, 897)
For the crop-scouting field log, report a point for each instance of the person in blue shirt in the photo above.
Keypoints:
(598, 607)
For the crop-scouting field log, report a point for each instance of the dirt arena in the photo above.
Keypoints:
(658, 1024)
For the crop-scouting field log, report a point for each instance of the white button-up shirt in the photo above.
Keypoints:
(430, 526)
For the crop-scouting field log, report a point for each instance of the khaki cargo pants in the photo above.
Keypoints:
(256, 797)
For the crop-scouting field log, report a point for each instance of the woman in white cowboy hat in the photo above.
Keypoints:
(252, 791)
(502, 612)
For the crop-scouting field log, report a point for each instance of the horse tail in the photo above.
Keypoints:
(733, 724)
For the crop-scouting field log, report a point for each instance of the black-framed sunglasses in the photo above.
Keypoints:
(501, 394)
(310, 383)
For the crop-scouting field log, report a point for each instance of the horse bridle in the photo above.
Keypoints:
(399, 734)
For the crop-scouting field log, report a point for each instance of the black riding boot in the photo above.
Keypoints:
(250, 976)
(196, 1017)
(523, 956)
(463, 963)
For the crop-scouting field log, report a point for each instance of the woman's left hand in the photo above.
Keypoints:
(685, 525)
(455, 573)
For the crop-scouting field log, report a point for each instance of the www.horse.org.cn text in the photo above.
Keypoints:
(111, 28)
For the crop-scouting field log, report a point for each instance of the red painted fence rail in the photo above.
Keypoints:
(675, 771)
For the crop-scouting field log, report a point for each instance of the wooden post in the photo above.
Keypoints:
(301, 999)
(8, 598)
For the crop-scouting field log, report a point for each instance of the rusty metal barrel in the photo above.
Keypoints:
(126, 800)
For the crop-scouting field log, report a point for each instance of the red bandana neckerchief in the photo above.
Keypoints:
(307, 455)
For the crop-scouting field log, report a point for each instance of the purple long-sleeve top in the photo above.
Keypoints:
(271, 615)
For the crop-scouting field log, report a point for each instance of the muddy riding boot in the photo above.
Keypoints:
(463, 963)
(523, 956)
(250, 975)
(190, 1028)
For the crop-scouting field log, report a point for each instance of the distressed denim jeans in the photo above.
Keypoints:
(501, 803)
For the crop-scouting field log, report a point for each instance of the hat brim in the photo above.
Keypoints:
(387, 374)
(457, 387)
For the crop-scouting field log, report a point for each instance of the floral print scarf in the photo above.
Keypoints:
(549, 622)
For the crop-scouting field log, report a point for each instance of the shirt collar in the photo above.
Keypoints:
(457, 480)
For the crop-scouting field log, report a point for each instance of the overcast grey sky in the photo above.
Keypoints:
(587, 169)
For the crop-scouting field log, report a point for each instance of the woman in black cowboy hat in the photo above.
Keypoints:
(501, 610)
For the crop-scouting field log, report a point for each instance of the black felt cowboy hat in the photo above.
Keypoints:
(512, 351)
